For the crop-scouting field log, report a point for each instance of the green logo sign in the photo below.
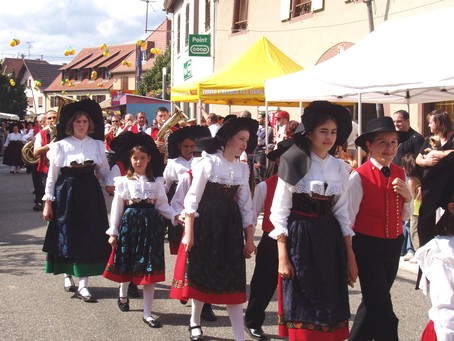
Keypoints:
(187, 69)
(199, 45)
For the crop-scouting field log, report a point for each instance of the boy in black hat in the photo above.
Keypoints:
(379, 200)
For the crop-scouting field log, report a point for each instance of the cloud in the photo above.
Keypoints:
(50, 27)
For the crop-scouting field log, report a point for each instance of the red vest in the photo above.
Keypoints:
(380, 211)
(121, 166)
(135, 128)
(43, 163)
(271, 183)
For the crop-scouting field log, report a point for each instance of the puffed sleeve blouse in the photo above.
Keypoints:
(137, 188)
(215, 168)
(72, 149)
(330, 171)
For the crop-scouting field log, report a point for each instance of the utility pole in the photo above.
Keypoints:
(29, 43)
(146, 15)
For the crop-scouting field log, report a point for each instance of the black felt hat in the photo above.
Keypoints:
(227, 130)
(380, 125)
(178, 136)
(125, 141)
(340, 113)
(91, 108)
(280, 149)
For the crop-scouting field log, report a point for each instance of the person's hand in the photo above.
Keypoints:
(257, 165)
(249, 249)
(433, 157)
(180, 219)
(419, 193)
(187, 241)
(286, 270)
(400, 187)
(47, 211)
(113, 241)
(352, 271)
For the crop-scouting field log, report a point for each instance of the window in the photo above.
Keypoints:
(40, 102)
(300, 7)
(186, 29)
(99, 98)
(178, 33)
(124, 83)
(240, 16)
(53, 101)
(207, 15)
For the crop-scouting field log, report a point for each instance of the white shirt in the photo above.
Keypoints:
(138, 188)
(280, 133)
(356, 195)
(214, 129)
(329, 170)
(215, 168)
(352, 137)
(63, 152)
(175, 168)
(115, 171)
(436, 260)
(258, 201)
(13, 137)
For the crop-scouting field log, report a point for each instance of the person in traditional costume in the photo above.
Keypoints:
(136, 228)
(313, 230)
(379, 199)
(13, 149)
(218, 234)
(75, 242)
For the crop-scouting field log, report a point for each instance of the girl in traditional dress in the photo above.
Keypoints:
(218, 234)
(13, 149)
(313, 230)
(136, 229)
(75, 241)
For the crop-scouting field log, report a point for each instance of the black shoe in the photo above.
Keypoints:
(257, 333)
(183, 302)
(133, 291)
(193, 337)
(152, 322)
(86, 298)
(71, 287)
(38, 207)
(207, 313)
(123, 306)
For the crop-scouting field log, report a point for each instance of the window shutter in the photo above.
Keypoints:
(285, 10)
(317, 5)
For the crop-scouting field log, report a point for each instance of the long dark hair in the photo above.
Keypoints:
(148, 170)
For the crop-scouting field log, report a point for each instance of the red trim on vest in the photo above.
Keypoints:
(271, 184)
(121, 166)
(43, 162)
(380, 210)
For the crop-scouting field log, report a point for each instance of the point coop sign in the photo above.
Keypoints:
(199, 45)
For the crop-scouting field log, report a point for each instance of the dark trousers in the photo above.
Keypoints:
(378, 262)
(39, 183)
(263, 282)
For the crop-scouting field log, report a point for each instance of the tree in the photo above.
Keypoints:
(12, 97)
(151, 84)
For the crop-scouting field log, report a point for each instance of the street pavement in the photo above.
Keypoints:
(34, 306)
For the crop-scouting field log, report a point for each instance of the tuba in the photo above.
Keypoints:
(173, 120)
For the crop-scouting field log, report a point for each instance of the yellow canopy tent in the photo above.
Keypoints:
(242, 81)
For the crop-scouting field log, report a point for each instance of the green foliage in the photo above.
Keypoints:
(151, 84)
(12, 98)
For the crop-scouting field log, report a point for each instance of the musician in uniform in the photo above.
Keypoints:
(42, 144)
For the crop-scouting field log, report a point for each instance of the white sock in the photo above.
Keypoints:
(68, 280)
(236, 319)
(196, 310)
(83, 282)
(123, 294)
(148, 294)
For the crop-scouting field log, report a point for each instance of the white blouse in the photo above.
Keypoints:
(436, 260)
(71, 149)
(115, 172)
(215, 168)
(138, 188)
(175, 169)
(13, 137)
(329, 170)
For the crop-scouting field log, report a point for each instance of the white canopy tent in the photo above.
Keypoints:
(6, 116)
(409, 60)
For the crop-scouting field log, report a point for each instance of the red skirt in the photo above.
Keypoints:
(429, 332)
(182, 290)
(137, 278)
(304, 331)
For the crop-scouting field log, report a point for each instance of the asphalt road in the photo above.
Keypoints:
(34, 306)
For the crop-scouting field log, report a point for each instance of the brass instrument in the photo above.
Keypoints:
(172, 121)
(27, 153)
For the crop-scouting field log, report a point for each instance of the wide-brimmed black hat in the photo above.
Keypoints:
(91, 108)
(179, 135)
(280, 149)
(126, 140)
(379, 125)
(340, 113)
(227, 130)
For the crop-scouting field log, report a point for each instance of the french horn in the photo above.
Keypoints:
(27, 154)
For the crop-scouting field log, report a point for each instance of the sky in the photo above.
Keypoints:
(49, 27)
